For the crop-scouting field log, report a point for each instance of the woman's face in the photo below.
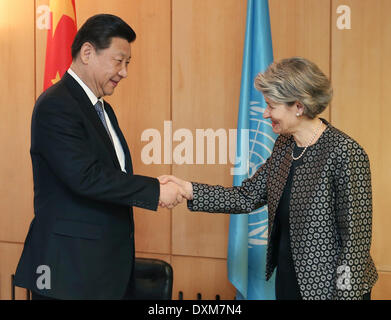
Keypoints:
(283, 117)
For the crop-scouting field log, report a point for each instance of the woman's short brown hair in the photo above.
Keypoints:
(296, 79)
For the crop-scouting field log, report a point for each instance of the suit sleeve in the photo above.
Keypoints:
(251, 195)
(354, 221)
(59, 136)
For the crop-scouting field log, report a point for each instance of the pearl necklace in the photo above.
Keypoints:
(312, 139)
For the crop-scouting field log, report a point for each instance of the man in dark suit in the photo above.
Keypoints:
(80, 244)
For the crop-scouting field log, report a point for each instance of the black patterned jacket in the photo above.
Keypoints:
(330, 212)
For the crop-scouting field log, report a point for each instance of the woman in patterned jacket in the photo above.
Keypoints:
(317, 185)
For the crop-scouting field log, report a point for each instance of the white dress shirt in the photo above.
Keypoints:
(117, 144)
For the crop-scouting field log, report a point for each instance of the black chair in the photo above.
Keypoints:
(152, 280)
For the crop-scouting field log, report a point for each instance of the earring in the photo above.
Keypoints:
(297, 114)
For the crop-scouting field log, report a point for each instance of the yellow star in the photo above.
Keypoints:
(57, 78)
(60, 8)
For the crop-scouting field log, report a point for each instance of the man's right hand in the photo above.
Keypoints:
(185, 186)
(171, 194)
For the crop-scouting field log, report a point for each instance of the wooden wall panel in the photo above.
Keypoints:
(9, 258)
(302, 28)
(207, 45)
(164, 257)
(40, 49)
(16, 102)
(360, 73)
(194, 275)
(382, 289)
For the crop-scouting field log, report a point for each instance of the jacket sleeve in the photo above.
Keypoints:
(251, 195)
(60, 138)
(354, 220)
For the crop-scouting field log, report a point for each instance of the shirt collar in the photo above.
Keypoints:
(87, 90)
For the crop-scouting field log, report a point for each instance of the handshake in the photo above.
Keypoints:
(173, 190)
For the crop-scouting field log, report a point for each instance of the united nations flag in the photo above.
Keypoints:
(255, 140)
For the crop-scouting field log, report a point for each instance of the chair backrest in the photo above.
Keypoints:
(28, 293)
(152, 280)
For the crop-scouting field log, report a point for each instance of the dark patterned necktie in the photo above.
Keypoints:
(99, 109)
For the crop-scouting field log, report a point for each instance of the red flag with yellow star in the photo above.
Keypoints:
(60, 36)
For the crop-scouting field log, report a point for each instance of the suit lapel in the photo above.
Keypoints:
(281, 172)
(88, 109)
(114, 123)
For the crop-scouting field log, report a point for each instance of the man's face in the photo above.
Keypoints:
(109, 66)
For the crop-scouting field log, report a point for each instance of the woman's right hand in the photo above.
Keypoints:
(185, 185)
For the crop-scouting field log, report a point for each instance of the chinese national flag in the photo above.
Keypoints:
(59, 40)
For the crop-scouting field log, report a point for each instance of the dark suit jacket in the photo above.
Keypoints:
(330, 213)
(83, 225)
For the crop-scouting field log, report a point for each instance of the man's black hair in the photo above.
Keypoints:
(99, 30)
